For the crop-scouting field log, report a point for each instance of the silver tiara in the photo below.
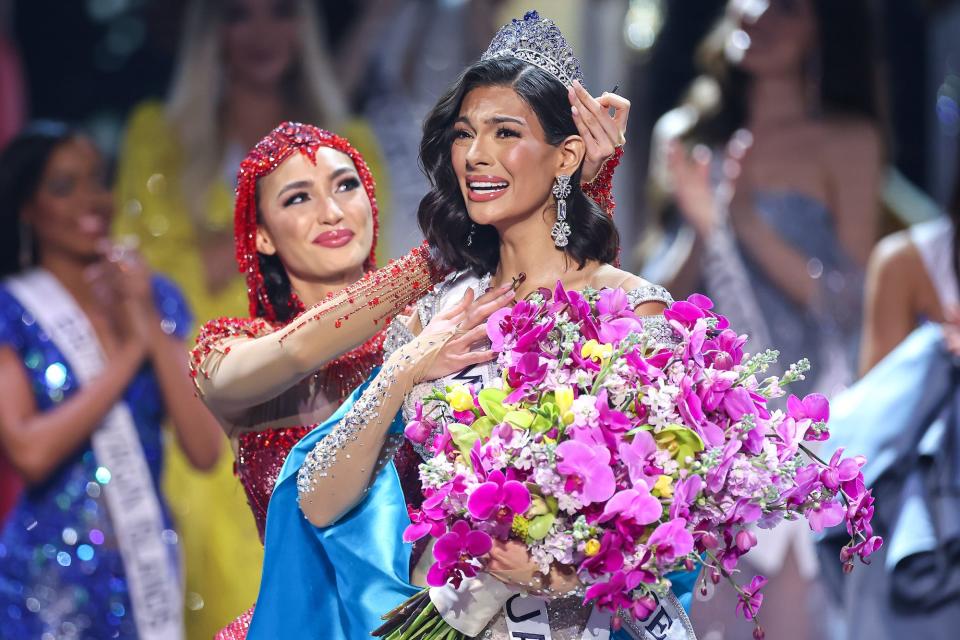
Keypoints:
(538, 41)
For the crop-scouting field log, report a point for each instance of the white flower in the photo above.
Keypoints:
(584, 411)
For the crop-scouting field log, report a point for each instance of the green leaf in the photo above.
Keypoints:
(636, 430)
(464, 437)
(491, 401)
(521, 419)
(484, 426)
(681, 442)
(553, 505)
(540, 526)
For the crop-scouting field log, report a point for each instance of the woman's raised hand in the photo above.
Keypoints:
(447, 342)
(601, 132)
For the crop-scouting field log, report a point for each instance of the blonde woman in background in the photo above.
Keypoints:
(243, 66)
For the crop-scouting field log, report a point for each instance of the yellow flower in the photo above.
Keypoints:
(663, 487)
(564, 398)
(596, 351)
(520, 526)
(592, 547)
(459, 398)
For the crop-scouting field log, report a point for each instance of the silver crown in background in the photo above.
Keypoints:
(538, 41)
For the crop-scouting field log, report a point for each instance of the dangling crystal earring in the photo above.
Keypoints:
(561, 230)
(473, 230)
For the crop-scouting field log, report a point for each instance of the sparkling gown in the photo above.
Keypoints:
(61, 573)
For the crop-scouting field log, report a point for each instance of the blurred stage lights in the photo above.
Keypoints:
(948, 104)
(643, 23)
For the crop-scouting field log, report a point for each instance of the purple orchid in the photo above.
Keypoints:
(636, 456)
(524, 376)
(751, 599)
(455, 554)
(587, 470)
(717, 476)
(841, 471)
(609, 558)
(498, 497)
(419, 429)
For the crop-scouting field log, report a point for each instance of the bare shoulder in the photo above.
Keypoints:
(896, 255)
(847, 137)
(652, 299)
(895, 267)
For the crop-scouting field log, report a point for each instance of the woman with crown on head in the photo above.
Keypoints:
(305, 231)
(507, 212)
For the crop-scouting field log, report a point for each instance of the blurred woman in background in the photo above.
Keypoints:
(92, 360)
(767, 182)
(766, 178)
(244, 66)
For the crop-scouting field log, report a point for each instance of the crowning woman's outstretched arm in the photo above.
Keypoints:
(341, 467)
(238, 364)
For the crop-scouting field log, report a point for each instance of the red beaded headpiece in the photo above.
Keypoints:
(266, 156)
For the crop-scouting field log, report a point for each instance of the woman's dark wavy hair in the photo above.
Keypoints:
(443, 214)
(22, 163)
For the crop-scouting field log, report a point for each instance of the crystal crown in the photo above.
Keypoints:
(538, 41)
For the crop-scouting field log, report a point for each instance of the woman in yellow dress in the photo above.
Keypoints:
(244, 65)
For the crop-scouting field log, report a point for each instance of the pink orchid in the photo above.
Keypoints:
(587, 470)
(636, 456)
(814, 408)
(610, 419)
(498, 497)
(611, 595)
(841, 471)
(429, 519)
(524, 375)
(825, 515)
(633, 504)
(498, 328)
(671, 540)
(684, 493)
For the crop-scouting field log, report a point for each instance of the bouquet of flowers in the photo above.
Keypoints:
(622, 456)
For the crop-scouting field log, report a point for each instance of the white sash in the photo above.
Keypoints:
(471, 607)
(134, 508)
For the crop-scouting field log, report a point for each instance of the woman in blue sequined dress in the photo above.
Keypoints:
(92, 361)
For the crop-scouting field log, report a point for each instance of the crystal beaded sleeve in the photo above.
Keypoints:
(235, 373)
(340, 468)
